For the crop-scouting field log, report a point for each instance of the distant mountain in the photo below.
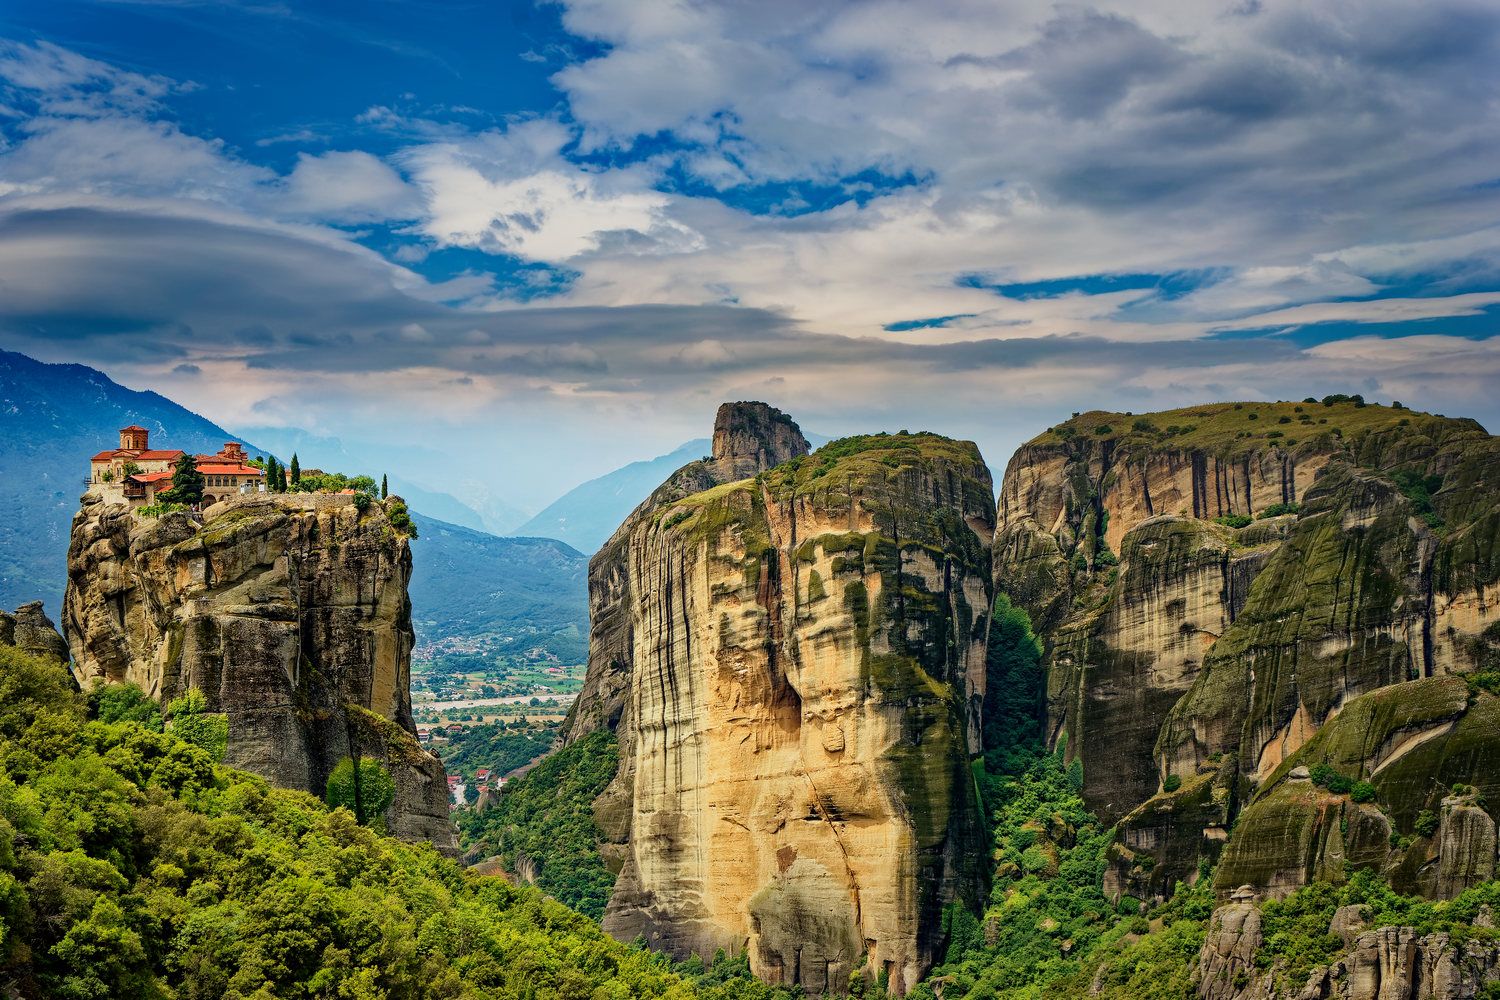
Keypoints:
(520, 592)
(53, 417)
(475, 506)
(587, 515)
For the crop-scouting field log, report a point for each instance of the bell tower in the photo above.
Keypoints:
(134, 438)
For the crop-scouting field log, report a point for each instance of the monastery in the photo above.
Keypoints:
(135, 473)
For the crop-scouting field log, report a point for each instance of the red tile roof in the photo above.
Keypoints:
(150, 477)
(154, 455)
(220, 469)
(134, 427)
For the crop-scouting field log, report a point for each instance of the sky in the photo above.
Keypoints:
(533, 242)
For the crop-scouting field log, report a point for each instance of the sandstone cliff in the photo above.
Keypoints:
(1192, 655)
(793, 665)
(289, 613)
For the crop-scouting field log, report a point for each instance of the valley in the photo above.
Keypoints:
(854, 720)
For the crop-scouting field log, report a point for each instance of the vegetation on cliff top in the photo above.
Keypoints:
(1233, 428)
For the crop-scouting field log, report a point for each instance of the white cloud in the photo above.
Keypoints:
(512, 192)
(348, 187)
(1393, 310)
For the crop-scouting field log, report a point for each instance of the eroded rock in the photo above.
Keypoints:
(794, 666)
(290, 614)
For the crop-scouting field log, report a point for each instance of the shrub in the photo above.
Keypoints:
(1427, 823)
(1278, 509)
(1103, 429)
(1171, 783)
(368, 796)
(158, 509)
(361, 501)
(189, 720)
(400, 517)
(1232, 520)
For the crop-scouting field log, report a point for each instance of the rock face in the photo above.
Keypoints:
(1390, 963)
(793, 665)
(290, 613)
(31, 631)
(1193, 656)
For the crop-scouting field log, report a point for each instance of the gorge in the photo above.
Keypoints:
(1189, 687)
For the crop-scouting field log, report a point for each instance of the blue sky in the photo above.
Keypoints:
(557, 235)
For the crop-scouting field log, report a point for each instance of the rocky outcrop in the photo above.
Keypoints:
(1215, 585)
(31, 631)
(1389, 963)
(751, 437)
(793, 665)
(289, 613)
(1226, 962)
(737, 454)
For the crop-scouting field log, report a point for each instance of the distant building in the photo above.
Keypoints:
(135, 473)
(424, 735)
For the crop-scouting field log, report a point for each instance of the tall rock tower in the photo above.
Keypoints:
(790, 650)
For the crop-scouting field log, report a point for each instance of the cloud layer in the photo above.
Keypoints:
(877, 214)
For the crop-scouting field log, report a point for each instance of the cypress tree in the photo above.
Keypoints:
(384, 488)
(187, 483)
(296, 470)
(271, 466)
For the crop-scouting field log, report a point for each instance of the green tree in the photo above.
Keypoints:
(271, 466)
(296, 470)
(124, 703)
(187, 483)
(367, 797)
(1011, 717)
(385, 489)
(190, 720)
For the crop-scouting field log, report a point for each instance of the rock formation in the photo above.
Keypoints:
(31, 631)
(793, 665)
(1389, 963)
(289, 612)
(1215, 586)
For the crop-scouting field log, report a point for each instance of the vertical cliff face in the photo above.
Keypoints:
(1193, 655)
(289, 613)
(793, 665)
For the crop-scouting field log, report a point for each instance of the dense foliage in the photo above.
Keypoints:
(1049, 931)
(364, 787)
(543, 826)
(132, 865)
(1296, 928)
